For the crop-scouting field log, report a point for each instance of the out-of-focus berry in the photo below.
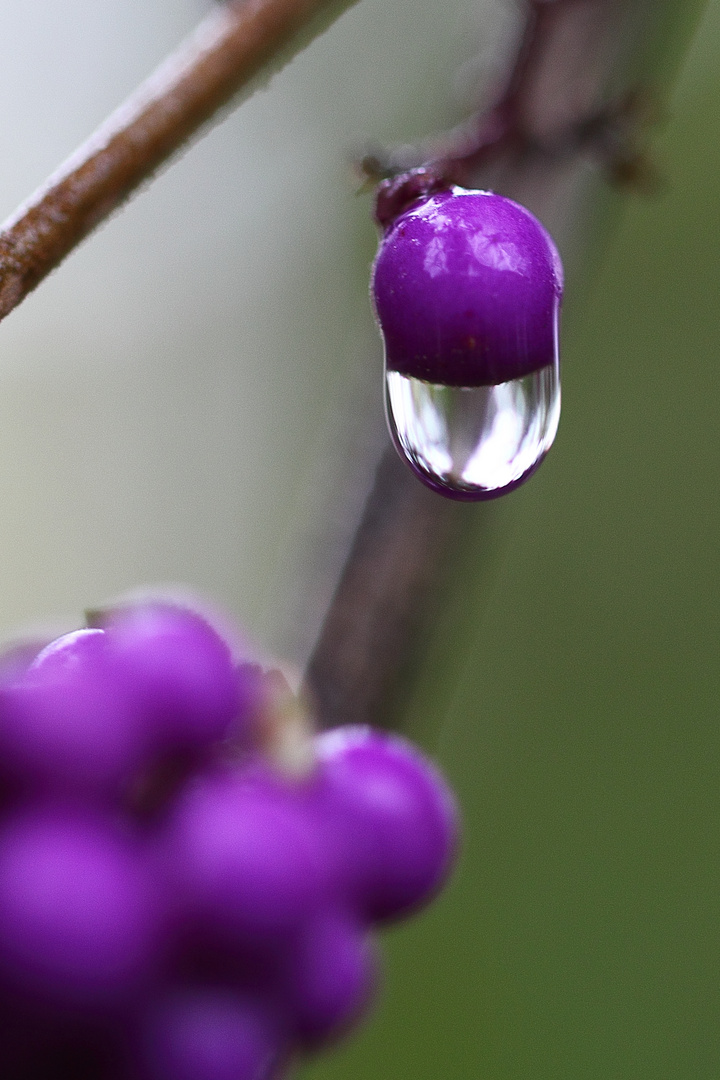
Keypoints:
(180, 673)
(245, 856)
(202, 1034)
(330, 976)
(78, 919)
(187, 876)
(68, 724)
(395, 816)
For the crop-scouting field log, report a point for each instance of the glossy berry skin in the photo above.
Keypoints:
(395, 816)
(467, 288)
(68, 724)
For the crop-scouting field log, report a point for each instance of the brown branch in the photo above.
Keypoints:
(372, 623)
(237, 45)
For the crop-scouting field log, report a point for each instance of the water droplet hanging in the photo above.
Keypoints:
(467, 288)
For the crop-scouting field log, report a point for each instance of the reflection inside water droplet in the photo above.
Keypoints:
(474, 442)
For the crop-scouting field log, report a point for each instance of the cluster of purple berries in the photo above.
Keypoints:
(174, 905)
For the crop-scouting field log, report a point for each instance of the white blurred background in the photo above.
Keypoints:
(195, 395)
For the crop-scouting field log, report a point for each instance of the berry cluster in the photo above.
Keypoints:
(173, 904)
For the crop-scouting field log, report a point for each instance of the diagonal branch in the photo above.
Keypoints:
(240, 43)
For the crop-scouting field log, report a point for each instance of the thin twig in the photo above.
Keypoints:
(521, 127)
(240, 43)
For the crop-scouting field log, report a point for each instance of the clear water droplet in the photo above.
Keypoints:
(474, 442)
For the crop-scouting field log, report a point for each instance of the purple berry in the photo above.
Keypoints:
(207, 1034)
(245, 858)
(467, 288)
(395, 816)
(181, 673)
(68, 724)
(78, 918)
(330, 977)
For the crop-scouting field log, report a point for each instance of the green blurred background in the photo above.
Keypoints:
(187, 399)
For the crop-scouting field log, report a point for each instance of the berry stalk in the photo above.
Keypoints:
(225, 926)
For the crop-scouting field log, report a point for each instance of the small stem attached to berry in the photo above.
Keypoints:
(286, 727)
(612, 132)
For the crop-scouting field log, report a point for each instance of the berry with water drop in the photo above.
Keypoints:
(467, 287)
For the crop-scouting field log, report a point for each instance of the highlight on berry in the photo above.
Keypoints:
(190, 877)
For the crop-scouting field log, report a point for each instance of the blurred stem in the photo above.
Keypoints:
(372, 624)
(242, 43)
